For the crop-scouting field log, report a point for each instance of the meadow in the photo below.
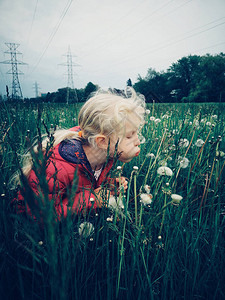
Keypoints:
(165, 237)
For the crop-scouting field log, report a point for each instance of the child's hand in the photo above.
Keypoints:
(99, 199)
(121, 183)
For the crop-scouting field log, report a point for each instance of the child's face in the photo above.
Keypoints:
(128, 144)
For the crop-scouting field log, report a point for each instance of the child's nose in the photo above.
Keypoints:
(137, 141)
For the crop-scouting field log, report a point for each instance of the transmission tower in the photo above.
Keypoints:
(36, 87)
(16, 89)
(69, 64)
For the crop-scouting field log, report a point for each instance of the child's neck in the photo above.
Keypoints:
(95, 156)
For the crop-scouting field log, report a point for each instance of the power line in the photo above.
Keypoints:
(116, 36)
(174, 42)
(65, 10)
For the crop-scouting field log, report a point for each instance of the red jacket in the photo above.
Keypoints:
(67, 158)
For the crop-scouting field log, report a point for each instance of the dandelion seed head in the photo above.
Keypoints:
(176, 199)
(183, 143)
(165, 171)
(146, 199)
(86, 229)
(152, 118)
(199, 143)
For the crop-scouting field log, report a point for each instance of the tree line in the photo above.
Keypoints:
(192, 78)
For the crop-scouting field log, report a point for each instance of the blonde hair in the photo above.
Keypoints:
(107, 112)
(104, 113)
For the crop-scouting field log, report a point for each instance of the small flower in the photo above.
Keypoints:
(183, 143)
(199, 143)
(119, 168)
(157, 121)
(147, 111)
(146, 199)
(165, 171)
(115, 204)
(135, 168)
(183, 162)
(176, 199)
(92, 199)
(152, 155)
(214, 117)
(152, 118)
(109, 219)
(208, 123)
(40, 243)
(86, 229)
(220, 153)
(147, 188)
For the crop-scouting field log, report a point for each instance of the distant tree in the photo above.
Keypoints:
(129, 82)
(90, 88)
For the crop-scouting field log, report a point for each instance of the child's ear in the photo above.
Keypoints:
(102, 142)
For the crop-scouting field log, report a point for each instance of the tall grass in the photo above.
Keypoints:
(164, 249)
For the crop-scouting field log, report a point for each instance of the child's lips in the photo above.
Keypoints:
(137, 153)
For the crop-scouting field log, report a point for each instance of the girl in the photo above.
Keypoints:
(108, 124)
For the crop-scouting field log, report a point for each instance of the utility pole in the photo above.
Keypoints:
(69, 64)
(16, 89)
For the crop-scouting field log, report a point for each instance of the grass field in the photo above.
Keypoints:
(168, 240)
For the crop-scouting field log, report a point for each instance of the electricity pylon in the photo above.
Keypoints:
(69, 64)
(16, 89)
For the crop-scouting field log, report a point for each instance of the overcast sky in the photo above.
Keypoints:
(111, 41)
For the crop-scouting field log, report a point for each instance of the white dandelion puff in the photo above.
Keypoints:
(157, 121)
(147, 188)
(176, 199)
(113, 204)
(86, 229)
(152, 118)
(183, 143)
(199, 143)
(152, 155)
(183, 162)
(165, 171)
(146, 199)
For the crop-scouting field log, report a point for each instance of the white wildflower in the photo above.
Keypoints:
(86, 229)
(115, 204)
(135, 168)
(183, 162)
(157, 121)
(119, 168)
(142, 139)
(165, 171)
(175, 131)
(152, 155)
(176, 199)
(146, 199)
(208, 124)
(199, 143)
(152, 118)
(220, 153)
(147, 111)
(196, 123)
(109, 219)
(147, 188)
(190, 123)
(183, 143)
(214, 117)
